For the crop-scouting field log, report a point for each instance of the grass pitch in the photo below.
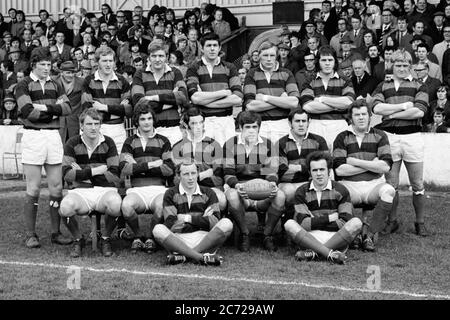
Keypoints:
(410, 267)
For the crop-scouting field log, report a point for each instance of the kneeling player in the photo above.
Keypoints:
(362, 156)
(145, 157)
(191, 220)
(91, 168)
(323, 222)
(249, 156)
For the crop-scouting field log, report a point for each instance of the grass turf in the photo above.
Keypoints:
(407, 263)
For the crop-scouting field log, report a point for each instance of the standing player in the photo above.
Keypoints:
(145, 157)
(204, 151)
(403, 102)
(362, 156)
(214, 87)
(272, 92)
(323, 222)
(41, 102)
(191, 221)
(249, 156)
(327, 98)
(164, 88)
(91, 168)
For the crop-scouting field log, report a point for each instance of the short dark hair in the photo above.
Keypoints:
(179, 55)
(247, 117)
(138, 59)
(130, 70)
(423, 45)
(185, 162)
(191, 112)
(210, 36)
(142, 107)
(40, 54)
(326, 51)
(296, 111)
(317, 156)
(357, 104)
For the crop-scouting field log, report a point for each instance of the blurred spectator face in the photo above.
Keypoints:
(85, 72)
(135, 48)
(421, 71)
(87, 40)
(20, 76)
(350, 12)
(107, 37)
(418, 28)
(169, 29)
(173, 59)
(138, 11)
(442, 94)
(79, 55)
(447, 11)
(401, 25)
(49, 22)
(120, 17)
(313, 44)
(242, 74)
(112, 30)
(211, 50)
(67, 13)
(389, 41)
(346, 46)
(358, 67)
(43, 16)
(138, 65)
(326, 7)
(356, 24)
(368, 39)
(27, 35)
(15, 43)
(39, 32)
(373, 52)
(36, 43)
(68, 76)
(387, 17)
(105, 10)
(169, 16)
(310, 29)
(157, 60)
(94, 23)
(283, 53)
(422, 53)
(310, 62)
(138, 33)
(388, 55)
(182, 45)
(415, 43)
(286, 40)
(7, 39)
(159, 31)
(338, 4)
(343, 15)
(407, 6)
(255, 56)
(447, 33)
(19, 17)
(294, 41)
(192, 35)
(59, 38)
(347, 72)
(438, 118)
(54, 52)
(268, 57)
(192, 20)
(342, 26)
(179, 26)
(104, 27)
(12, 14)
(28, 25)
(421, 4)
(246, 64)
(9, 105)
(218, 15)
(320, 26)
(438, 21)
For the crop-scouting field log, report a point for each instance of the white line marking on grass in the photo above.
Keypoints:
(229, 279)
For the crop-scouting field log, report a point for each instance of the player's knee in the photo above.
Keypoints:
(225, 225)
(417, 186)
(292, 227)
(387, 193)
(113, 205)
(67, 207)
(280, 198)
(353, 226)
(128, 209)
(232, 197)
(160, 233)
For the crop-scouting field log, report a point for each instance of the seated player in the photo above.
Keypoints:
(164, 87)
(145, 157)
(214, 87)
(362, 155)
(271, 91)
(249, 156)
(91, 168)
(292, 151)
(191, 226)
(204, 151)
(323, 222)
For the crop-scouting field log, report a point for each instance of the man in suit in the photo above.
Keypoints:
(420, 71)
(329, 19)
(436, 30)
(379, 70)
(358, 31)
(441, 47)
(63, 49)
(73, 88)
(434, 70)
(143, 43)
(122, 25)
(14, 56)
(335, 40)
(418, 29)
(402, 35)
(363, 83)
(26, 45)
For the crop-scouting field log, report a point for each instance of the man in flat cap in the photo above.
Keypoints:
(14, 56)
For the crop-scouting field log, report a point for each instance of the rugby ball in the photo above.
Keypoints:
(258, 189)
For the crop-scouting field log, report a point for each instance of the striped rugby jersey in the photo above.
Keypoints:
(117, 90)
(410, 90)
(335, 198)
(337, 86)
(207, 154)
(375, 144)
(289, 154)
(176, 202)
(75, 151)
(224, 77)
(171, 90)
(30, 91)
(261, 162)
(281, 80)
(134, 160)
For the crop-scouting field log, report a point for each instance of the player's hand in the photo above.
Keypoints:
(408, 105)
(155, 164)
(40, 107)
(226, 187)
(129, 158)
(6, 121)
(208, 212)
(227, 92)
(75, 166)
(284, 94)
(100, 106)
(259, 97)
(186, 218)
(59, 101)
(340, 223)
(206, 174)
(99, 170)
(274, 189)
(241, 190)
(333, 217)
(125, 102)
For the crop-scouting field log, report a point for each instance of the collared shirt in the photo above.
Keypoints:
(167, 68)
(190, 196)
(335, 75)
(41, 82)
(105, 82)
(210, 66)
(312, 186)
(267, 73)
(397, 83)
(298, 143)
(60, 47)
(90, 149)
(359, 139)
(143, 139)
(248, 148)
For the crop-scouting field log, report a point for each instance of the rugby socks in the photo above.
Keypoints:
(55, 218)
(216, 237)
(393, 214)
(273, 215)
(121, 223)
(172, 244)
(344, 237)
(419, 206)
(304, 239)
(72, 225)
(30, 212)
(110, 224)
(238, 216)
(380, 213)
(133, 222)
